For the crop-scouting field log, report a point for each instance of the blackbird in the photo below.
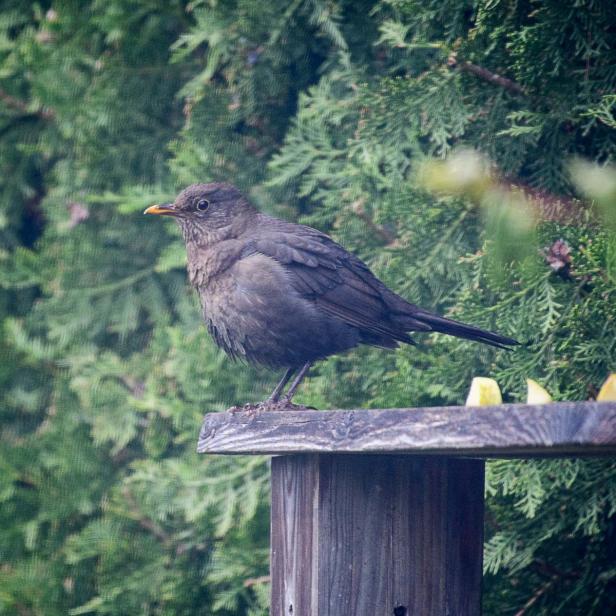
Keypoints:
(285, 295)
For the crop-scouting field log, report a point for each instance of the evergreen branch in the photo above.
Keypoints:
(444, 239)
(116, 286)
(485, 74)
(286, 16)
(17, 103)
(519, 294)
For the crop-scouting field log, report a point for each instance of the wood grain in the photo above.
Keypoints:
(376, 535)
(294, 485)
(563, 428)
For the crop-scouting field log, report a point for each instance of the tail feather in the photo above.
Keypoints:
(462, 330)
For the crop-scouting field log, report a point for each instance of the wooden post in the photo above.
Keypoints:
(372, 535)
(380, 512)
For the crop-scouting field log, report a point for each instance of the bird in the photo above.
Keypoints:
(285, 295)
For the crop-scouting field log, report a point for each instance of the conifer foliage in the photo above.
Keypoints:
(323, 111)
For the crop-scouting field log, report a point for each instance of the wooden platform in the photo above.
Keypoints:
(380, 512)
(557, 429)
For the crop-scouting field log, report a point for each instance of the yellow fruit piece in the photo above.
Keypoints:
(484, 392)
(536, 394)
(608, 389)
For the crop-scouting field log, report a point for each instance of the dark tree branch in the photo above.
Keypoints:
(20, 105)
(537, 595)
(553, 576)
(485, 74)
(549, 570)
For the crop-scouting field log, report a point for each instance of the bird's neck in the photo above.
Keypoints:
(213, 249)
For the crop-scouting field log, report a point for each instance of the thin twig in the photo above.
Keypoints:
(146, 523)
(263, 579)
(22, 610)
(16, 103)
(550, 570)
(537, 595)
(550, 207)
(485, 74)
(128, 281)
(357, 207)
(554, 574)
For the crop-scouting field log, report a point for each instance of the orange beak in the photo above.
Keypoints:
(166, 209)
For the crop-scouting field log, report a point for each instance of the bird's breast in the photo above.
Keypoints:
(207, 264)
(253, 313)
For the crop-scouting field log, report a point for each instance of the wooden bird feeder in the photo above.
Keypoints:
(380, 512)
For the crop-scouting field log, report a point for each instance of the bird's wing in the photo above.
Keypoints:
(338, 282)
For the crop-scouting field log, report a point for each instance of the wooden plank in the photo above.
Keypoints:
(366, 535)
(294, 486)
(355, 535)
(564, 428)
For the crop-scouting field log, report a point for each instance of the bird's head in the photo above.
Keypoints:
(208, 213)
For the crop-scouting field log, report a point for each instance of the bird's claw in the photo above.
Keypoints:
(252, 409)
(286, 405)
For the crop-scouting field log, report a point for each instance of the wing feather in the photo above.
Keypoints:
(339, 283)
(343, 286)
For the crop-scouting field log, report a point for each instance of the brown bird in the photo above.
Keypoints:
(285, 295)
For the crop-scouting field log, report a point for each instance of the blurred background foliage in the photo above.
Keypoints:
(328, 112)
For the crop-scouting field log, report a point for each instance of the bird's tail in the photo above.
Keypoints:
(461, 330)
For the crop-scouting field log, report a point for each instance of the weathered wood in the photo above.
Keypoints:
(386, 533)
(376, 535)
(293, 544)
(564, 428)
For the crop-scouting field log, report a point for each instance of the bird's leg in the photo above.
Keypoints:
(275, 395)
(296, 381)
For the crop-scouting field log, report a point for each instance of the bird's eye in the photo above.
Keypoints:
(202, 205)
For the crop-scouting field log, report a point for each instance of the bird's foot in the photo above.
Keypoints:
(285, 405)
(252, 409)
